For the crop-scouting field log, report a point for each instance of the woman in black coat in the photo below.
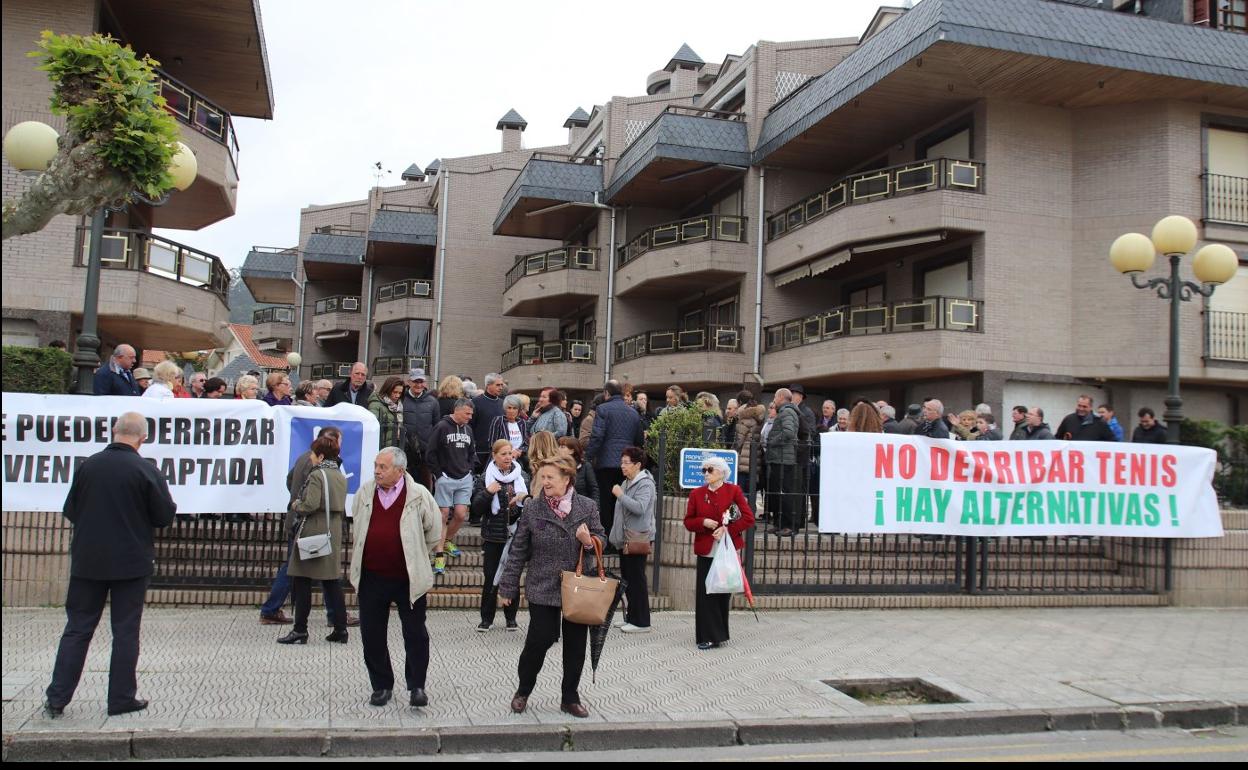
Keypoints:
(498, 504)
(586, 479)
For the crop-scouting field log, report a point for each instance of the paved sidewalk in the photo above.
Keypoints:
(220, 669)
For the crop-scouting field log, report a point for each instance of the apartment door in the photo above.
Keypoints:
(947, 281)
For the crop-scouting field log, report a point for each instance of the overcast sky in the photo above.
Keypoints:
(403, 82)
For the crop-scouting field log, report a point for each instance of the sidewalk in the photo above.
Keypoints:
(220, 670)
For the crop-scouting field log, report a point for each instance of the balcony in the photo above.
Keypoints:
(696, 358)
(565, 279)
(334, 254)
(400, 235)
(332, 370)
(1226, 199)
(385, 366)
(1226, 336)
(209, 131)
(336, 318)
(552, 196)
(860, 349)
(701, 250)
(562, 363)
(681, 155)
(273, 328)
(818, 224)
(157, 293)
(409, 298)
(269, 273)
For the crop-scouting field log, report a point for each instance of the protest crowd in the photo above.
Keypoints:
(555, 486)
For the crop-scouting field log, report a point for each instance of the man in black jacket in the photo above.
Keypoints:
(807, 461)
(115, 501)
(1150, 431)
(933, 425)
(420, 415)
(355, 390)
(1084, 425)
(486, 407)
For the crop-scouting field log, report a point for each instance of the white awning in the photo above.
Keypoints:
(829, 262)
(789, 276)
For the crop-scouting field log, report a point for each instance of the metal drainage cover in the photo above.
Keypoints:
(893, 692)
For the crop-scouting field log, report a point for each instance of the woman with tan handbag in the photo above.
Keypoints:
(555, 529)
(633, 534)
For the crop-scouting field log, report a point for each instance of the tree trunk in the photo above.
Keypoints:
(77, 182)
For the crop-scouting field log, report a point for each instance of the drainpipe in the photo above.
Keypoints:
(758, 278)
(607, 347)
(368, 314)
(437, 333)
(303, 298)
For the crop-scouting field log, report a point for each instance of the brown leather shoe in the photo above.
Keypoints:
(519, 703)
(575, 709)
(278, 618)
(353, 621)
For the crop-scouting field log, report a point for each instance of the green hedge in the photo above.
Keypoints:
(679, 428)
(36, 370)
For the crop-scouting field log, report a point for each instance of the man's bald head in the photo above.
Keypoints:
(125, 356)
(130, 428)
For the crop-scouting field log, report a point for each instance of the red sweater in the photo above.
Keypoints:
(705, 504)
(383, 546)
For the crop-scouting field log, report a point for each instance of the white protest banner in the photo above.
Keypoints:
(874, 482)
(217, 455)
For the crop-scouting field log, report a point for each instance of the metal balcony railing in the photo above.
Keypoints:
(410, 288)
(398, 364)
(331, 371)
(1226, 199)
(878, 184)
(554, 351)
(907, 315)
(715, 339)
(138, 250)
(341, 303)
(192, 109)
(566, 258)
(272, 315)
(708, 227)
(1226, 335)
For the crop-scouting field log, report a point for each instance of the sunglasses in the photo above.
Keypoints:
(708, 470)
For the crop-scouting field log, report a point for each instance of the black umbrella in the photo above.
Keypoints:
(598, 634)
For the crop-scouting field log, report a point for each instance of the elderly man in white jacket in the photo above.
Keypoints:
(396, 526)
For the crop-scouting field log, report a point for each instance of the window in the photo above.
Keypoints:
(724, 312)
(525, 338)
(947, 281)
(867, 295)
(405, 338)
(952, 141)
(1233, 15)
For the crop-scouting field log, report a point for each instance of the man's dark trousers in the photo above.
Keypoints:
(84, 604)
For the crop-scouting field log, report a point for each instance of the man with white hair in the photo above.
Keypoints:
(486, 407)
(117, 498)
(115, 378)
(890, 418)
(933, 425)
(354, 390)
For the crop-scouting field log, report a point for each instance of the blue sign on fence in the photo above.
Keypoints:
(691, 460)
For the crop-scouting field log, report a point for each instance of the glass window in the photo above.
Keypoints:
(868, 295)
(947, 281)
(957, 146)
(394, 338)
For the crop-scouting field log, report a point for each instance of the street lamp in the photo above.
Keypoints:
(1214, 264)
(30, 148)
(293, 360)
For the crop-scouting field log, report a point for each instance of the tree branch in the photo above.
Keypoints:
(77, 182)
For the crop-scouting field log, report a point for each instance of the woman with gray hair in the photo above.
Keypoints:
(247, 387)
(164, 376)
(509, 426)
(714, 510)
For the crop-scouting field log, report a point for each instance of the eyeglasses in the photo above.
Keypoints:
(708, 470)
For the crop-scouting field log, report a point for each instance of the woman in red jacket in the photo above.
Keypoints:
(713, 510)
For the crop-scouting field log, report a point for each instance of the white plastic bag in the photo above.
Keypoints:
(725, 576)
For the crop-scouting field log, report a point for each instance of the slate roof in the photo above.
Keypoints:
(684, 56)
(268, 264)
(512, 120)
(434, 167)
(237, 368)
(415, 227)
(552, 180)
(1036, 27)
(413, 172)
(682, 137)
(339, 249)
(578, 118)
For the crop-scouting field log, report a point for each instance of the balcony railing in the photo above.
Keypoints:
(566, 258)
(908, 315)
(138, 250)
(1226, 335)
(552, 352)
(189, 107)
(338, 304)
(1226, 199)
(331, 371)
(273, 315)
(708, 227)
(411, 288)
(693, 112)
(715, 339)
(878, 184)
(398, 364)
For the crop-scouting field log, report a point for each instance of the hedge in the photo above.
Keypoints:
(36, 370)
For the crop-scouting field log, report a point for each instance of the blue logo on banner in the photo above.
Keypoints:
(691, 460)
(304, 430)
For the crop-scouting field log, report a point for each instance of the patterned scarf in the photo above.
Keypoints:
(561, 506)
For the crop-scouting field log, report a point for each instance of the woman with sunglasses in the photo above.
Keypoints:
(715, 509)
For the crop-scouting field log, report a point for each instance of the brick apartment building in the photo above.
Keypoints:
(922, 210)
(154, 293)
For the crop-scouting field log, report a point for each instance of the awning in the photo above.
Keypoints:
(829, 262)
(796, 274)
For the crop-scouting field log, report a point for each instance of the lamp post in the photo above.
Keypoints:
(1214, 264)
(30, 148)
(293, 360)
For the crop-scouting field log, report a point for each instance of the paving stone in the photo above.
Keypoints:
(658, 736)
(382, 743)
(764, 731)
(1192, 716)
(174, 744)
(980, 723)
(494, 740)
(76, 747)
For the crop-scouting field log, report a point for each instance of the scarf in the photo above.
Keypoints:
(325, 464)
(561, 506)
(393, 406)
(515, 478)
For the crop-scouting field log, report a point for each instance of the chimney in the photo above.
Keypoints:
(685, 67)
(512, 126)
(413, 174)
(576, 124)
(433, 168)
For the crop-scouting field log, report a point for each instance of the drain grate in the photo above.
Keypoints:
(893, 692)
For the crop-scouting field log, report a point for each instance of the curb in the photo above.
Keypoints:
(175, 744)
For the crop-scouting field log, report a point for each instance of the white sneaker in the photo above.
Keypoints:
(629, 628)
(618, 624)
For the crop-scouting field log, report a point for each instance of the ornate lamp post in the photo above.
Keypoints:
(293, 360)
(30, 147)
(1214, 264)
